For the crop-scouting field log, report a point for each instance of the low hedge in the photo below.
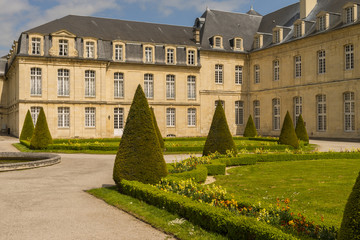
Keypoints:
(199, 174)
(85, 140)
(216, 169)
(238, 161)
(210, 218)
(25, 143)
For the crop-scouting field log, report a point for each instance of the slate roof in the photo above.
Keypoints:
(113, 29)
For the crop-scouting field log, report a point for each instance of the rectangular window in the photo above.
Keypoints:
(257, 42)
(298, 30)
(276, 113)
(170, 117)
(170, 56)
(238, 74)
(118, 118)
(321, 62)
(35, 81)
(89, 117)
(276, 66)
(218, 74)
(321, 112)
(149, 85)
(257, 114)
(349, 14)
(63, 117)
(238, 44)
(297, 60)
(118, 85)
(239, 112)
(119, 52)
(34, 111)
(349, 57)
(191, 57)
(322, 23)
(277, 36)
(297, 108)
(349, 112)
(63, 82)
(256, 74)
(217, 42)
(90, 49)
(222, 103)
(35, 46)
(63, 47)
(170, 87)
(191, 117)
(90, 83)
(191, 87)
(148, 54)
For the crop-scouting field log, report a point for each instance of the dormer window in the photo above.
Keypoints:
(170, 55)
(118, 51)
(149, 54)
(237, 44)
(35, 45)
(217, 42)
(63, 47)
(90, 49)
(322, 22)
(258, 41)
(277, 35)
(298, 30)
(349, 14)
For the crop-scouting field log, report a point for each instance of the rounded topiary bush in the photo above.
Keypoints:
(250, 129)
(28, 127)
(219, 138)
(157, 130)
(41, 137)
(300, 130)
(288, 135)
(350, 225)
(139, 157)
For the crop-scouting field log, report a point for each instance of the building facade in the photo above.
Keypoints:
(84, 71)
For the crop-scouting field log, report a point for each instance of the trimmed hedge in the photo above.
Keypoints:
(28, 127)
(157, 130)
(238, 161)
(210, 218)
(41, 137)
(199, 174)
(250, 129)
(300, 130)
(216, 169)
(288, 135)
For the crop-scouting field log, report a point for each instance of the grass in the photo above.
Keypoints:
(158, 218)
(315, 188)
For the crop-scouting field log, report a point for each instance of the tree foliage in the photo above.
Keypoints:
(139, 157)
(300, 130)
(219, 138)
(157, 130)
(28, 127)
(288, 135)
(41, 137)
(250, 129)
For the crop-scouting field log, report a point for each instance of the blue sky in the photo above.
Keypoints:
(17, 16)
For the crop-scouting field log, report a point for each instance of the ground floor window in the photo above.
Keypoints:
(239, 112)
(34, 111)
(349, 111)
(276, 113)
(321, 112)
(297, 108)
(63, 117)
(90, 117)
(192, 117)
(170, 117)
(257, 114)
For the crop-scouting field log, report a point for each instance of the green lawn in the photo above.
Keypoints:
(315, 188)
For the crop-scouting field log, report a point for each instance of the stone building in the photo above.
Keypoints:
(83, 71)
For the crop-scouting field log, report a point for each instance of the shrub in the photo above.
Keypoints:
(288, 135)
(250, 129)
(41, 137)
(157, 130)
(139, 156)
(199, 174)
(300, 130)
(350, 225)
(216, 169)
(219, 138)
(28, 127)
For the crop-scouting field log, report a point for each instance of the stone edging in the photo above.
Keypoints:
(35, 160)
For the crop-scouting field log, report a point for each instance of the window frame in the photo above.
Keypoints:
(256, 109)
(191, 57)
(90, 83)
(149, 85)
(34, 112)
(63, 117)
(276, 114)
(349, 56)
(170, 87)
(191, 87)
(219, 74)
(63, 82)
(118, 118)
(349, 111)
(35, 81)
(238, 75)
(297, 66)
(36, 45)
(149, 54)
(63, 47)
(90, 117)
(321, 118)
(276, 70)
(170, 117)
(321, 54)
(119, 90)
(297, 102)
(191, 118)
(119, 55)
(170, 55)
(256, 73)
(89, 49)
(239, 112)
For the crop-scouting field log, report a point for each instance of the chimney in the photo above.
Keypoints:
(306, 6)
(196, 35)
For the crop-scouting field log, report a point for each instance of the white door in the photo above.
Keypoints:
(118, 122)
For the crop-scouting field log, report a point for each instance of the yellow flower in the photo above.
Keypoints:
(291, 222)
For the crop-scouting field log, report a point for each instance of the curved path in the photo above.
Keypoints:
(50, 203)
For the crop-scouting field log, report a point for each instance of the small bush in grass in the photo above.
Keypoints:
(219, 138)
(250, 129)
(28, 127)
(139, 156)
(41, 137)
(288, 135)
(300, 130)
(350, 225)
(157, 130)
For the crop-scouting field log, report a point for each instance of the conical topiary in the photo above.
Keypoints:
(157, 130)
(250, 129)
(350, 225)
(41, 137)
(300, 130)
(139, 157)
(219, 138)
(28, 127)
(288, 135)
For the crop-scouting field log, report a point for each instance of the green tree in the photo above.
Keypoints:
(139, 157)
(300, 130)
(250, 129)
(28, 127)
(288, 135)
(157, 130)
(41, 137)
(219, 138)
(350, 225)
